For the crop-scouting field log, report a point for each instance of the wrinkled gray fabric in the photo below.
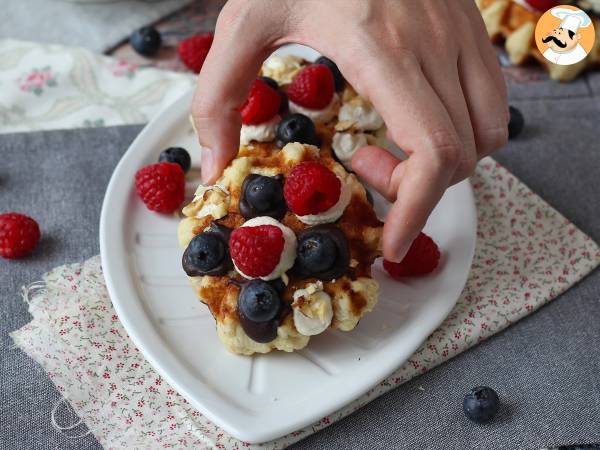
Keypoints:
(97, 25)
(546, 368)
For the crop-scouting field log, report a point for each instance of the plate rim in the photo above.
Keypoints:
(155, 350)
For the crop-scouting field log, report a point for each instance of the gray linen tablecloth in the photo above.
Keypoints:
(546, 368)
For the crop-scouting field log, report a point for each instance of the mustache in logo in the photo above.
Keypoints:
(555, 40)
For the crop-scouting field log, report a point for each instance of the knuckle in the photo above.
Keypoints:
(446, 148)
(490, 139)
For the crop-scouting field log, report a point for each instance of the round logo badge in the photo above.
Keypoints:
(564, 35)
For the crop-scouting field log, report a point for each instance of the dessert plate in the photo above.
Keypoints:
(262, 397)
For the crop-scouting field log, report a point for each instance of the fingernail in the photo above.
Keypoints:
(400, 253)
(207, 164)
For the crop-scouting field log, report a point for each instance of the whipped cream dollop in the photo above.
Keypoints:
(362, 115)
(345, 146)
(312, 309)
(263, 132)
(282, 68)
(288, 254)
(212, 200)
(333, 213)
(318, 115)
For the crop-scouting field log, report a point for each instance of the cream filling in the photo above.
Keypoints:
(333, 213)
(282, 68)
(361, 114)
(288, 255)
(312, 309)
(263, 132)
(345, 146)
(318, 115)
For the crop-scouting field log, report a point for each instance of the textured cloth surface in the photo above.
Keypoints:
(97, 25)
(56, 87)
(75, 215)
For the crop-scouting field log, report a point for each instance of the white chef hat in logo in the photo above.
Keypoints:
(570, 19)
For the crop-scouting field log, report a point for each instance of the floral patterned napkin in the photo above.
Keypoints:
(47, 87)
(526, 255)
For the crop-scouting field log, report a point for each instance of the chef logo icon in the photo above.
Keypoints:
(564, 35)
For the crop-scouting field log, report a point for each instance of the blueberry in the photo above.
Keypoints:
(262, 196)
(317, 251)
(370, 198)
(206, 254)
(146, 41)
(259, 301)
(481, 404)
(516, 123)
(323, 253)
(176, 155)
(270, 81)
(296, 128)
(338, 78)
(284, 106)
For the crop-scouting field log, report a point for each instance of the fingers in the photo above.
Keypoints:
(223, 84)
(380, 169)
(486, 50)
(419, 123)
(486, 103)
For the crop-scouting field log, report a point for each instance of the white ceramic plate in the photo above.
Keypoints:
(260, 398)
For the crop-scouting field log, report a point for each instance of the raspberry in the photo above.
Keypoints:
(161, 186)
(262, 103)
(543, 5)
(312, 87)
(193, 50)
(422, 258)
(19, 234)
(311, 188)
(256, 251)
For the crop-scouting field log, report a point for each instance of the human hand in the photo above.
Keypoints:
(426, 65)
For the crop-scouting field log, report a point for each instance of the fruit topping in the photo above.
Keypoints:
(19, 234)
(262, 196)
(146, 41)
(338, 78)
(262, 248)
(296, 128)
(259, 307)
(311, 188)
(177, 155)
(193, 50)
(481, 404)
(516, 123)
(161, 186)
(323, 253)
(313, 87)
(208, 252)
(422, 258)
(262, 103)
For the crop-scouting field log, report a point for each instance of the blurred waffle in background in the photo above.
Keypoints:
(512, 23)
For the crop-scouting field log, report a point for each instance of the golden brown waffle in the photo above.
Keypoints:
(513, 23)
(352, 295)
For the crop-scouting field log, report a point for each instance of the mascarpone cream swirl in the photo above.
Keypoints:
(263, 132)
(333, 213)
(288, 254)
(361, 114)
(345, 146)
(318, 115)
(312, 309)
(210, 200)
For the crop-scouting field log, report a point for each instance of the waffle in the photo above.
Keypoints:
(352, 295)
(515, 23)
